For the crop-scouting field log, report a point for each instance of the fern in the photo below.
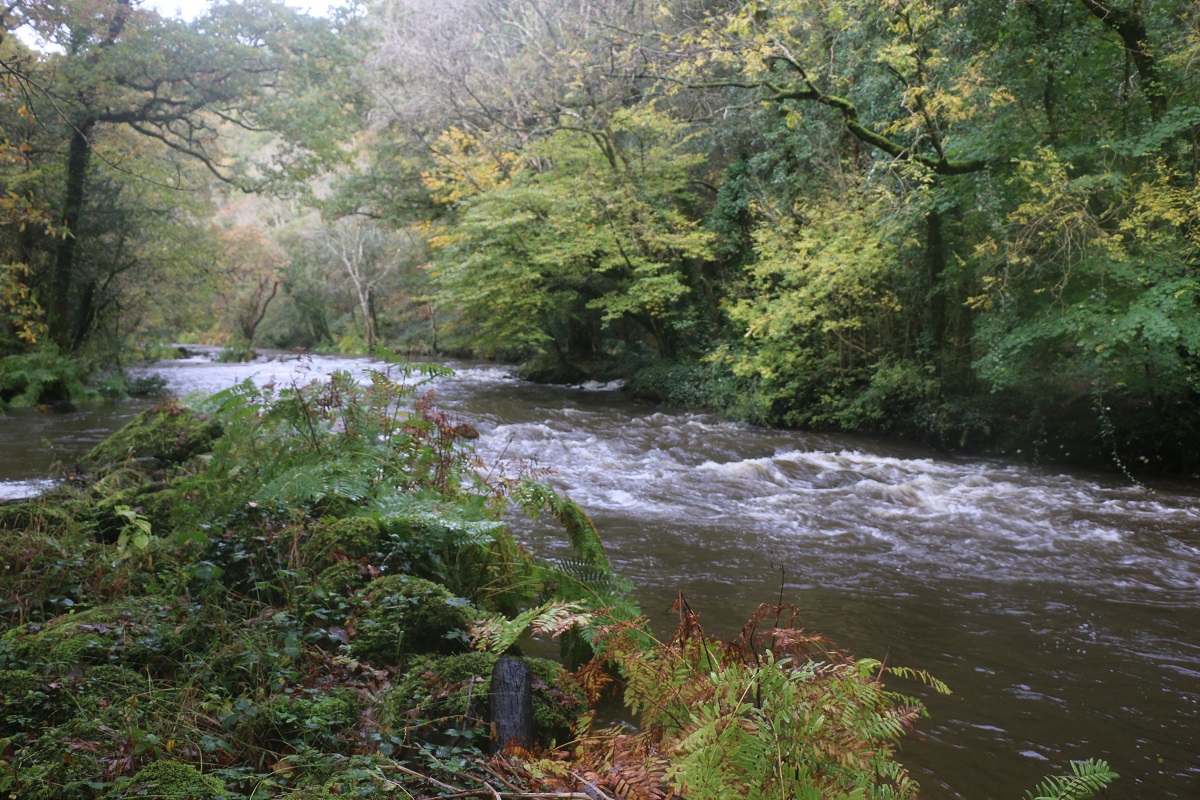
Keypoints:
(774, 714)
(497, 633)
(537, 497)
(1086, 779)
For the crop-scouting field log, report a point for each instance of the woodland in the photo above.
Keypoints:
(970, 223)
(974, 223)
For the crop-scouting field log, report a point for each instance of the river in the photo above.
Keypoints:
(1063, 609)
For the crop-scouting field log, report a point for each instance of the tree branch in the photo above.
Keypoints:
(807, 92)
(1130, 26)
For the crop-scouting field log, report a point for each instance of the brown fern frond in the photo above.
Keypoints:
(689, 621)
(595, 680)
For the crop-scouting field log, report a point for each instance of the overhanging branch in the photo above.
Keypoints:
(806, 91)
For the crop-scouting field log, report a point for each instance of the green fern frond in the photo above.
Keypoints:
(922, 676)
(536, 497)
(1086, 779)
(497, 633)
(594, 576)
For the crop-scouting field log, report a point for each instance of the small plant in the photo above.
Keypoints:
(1086, 779)
(135, 534)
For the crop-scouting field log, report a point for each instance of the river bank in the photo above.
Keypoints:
(1058, 606)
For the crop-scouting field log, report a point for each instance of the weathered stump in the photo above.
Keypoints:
(511, 701)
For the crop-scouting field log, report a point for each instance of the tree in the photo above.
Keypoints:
(370, 257)
(584, 248)
(254, 266)
(110, 64)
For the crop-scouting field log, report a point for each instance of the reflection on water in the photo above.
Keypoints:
(1062, 609)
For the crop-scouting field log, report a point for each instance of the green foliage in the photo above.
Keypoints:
(135, 533)
(406, 615)
(146, 631)
(329, 443)
(581, 532)
(777, 713)
(218, 648)
(709, 385)
(590, 247)
(43, 377)
(1086, 779)
(824, 319)
(351, 538)
(25, 701)
(236, 353)
(446, 698)
(497, 634)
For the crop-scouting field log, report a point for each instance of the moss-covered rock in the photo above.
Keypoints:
(350, 538)
(171, 780)
(144, 631)
(342, 579)
(452, 692)
(169, 432)
(405, 616)
(35, 516)
(107, 684)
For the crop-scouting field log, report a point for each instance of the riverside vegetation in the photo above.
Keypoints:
(302, 592)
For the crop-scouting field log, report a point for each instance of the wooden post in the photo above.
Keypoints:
(511, 701)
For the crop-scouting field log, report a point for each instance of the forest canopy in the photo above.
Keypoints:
(972, 222)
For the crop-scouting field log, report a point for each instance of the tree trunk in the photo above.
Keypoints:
(63, 276)
(935, 263)
(1131, 27)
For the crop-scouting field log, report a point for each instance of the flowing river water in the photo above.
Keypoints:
(1062, 609)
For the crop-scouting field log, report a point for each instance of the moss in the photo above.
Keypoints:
(171, 780)
(351, 538)
(34, 517)
(450, 691)
(142, 631)
(169, 432)
(42, 773)
(343, 578)
(407, 615)
(107, 682)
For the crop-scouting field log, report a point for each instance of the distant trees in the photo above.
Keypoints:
(114, 77)
(369, 256)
